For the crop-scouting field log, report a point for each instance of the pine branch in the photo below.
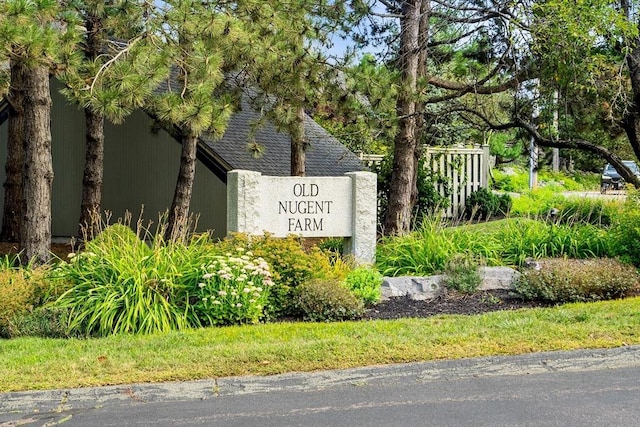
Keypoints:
(112, 60)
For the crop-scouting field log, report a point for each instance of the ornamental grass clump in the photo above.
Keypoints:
(587, 211)
(122, 284)
(232, 290)
(503, 242)
(423, 252)
(523, 238)
(121, 289)
(570, 280)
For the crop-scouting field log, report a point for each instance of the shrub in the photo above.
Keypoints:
(514, 179)
(21, 291)
(483, 204)
(327, 300)
(462, 274)
(624, 241)
(566, 280)
(334, 247)
(291, 265)
(365, 284)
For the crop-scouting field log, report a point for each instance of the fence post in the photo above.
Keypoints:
(486, 166)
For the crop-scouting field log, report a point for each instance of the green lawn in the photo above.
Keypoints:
(35, 363)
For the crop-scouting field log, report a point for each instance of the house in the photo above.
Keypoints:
(141, 164)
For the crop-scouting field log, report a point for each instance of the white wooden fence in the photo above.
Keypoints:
(463, 170)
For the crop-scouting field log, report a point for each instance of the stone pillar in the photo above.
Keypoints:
(243, 202)
(362, 243)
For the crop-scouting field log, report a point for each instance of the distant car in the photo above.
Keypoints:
(611, 179)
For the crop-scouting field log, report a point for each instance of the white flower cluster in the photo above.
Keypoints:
(236, 282)
(75, 257)
(240, 269)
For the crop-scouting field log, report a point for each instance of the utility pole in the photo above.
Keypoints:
(555, 152)
(533, 147)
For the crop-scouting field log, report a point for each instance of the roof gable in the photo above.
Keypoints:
(326, 156)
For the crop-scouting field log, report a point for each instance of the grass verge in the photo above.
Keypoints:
(34, 363)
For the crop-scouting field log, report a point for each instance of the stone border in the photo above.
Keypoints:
(425, 288)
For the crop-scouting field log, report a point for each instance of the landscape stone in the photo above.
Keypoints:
(424, 288)
(416, 288)
(498, 278)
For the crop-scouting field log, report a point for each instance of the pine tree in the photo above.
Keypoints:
(288, 72)
(36, 36)
(202, 44)
(98, 82)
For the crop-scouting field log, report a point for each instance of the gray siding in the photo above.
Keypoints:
(141, 168)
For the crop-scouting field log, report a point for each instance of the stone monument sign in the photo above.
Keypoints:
(342, 206)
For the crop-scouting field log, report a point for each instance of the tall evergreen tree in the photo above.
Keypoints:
(403, 188)
(288, 71)
(422, 40)
(203, 42)
(99, 83)
(265, 46)
(37, 36)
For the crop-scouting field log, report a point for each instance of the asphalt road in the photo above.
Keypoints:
(581, 388)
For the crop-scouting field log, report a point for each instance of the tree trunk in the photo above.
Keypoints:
(421, 113)
(35, 236)
(631, 120)
(177, 225)
(92, 176)
(14, 167)
(94, 145)
(298, 145)
(399, 211)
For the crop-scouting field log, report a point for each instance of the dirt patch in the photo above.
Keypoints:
(60, 250)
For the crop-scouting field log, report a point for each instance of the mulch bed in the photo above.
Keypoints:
(451, 303)
(60, 250)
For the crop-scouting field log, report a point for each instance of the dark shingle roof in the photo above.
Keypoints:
(325, 155)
